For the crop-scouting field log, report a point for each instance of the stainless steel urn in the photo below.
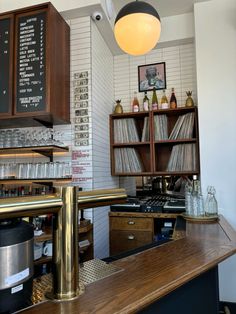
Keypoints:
(16, 265)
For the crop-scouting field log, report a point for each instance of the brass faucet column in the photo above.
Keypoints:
(65, 250)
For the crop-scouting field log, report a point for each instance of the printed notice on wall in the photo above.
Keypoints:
(31, 73)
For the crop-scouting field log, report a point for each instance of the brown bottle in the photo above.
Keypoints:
(173, 101)
(135, 103)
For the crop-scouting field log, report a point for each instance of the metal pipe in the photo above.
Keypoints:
(65, 229)
(65, 248)
(29, 206)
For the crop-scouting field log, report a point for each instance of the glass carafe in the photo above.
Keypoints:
(211, 206)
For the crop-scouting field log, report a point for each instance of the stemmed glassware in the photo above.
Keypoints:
(28, 138)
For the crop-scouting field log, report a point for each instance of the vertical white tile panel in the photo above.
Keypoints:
(102, 106)
(180, 73)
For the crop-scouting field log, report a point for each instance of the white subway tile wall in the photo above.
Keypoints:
(112, 78)
(102, 106)
(180, 73)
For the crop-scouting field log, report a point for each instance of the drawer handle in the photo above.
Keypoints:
(131, 237)
(131, 223)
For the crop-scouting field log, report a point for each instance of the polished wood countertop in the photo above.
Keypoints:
(152, 274)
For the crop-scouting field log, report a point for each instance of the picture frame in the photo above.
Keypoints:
(152, 75)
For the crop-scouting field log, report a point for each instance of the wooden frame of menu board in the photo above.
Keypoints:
(27, 88)
(5, 112)
(49, 101)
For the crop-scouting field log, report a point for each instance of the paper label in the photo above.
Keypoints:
(11, 280)
(16, 289)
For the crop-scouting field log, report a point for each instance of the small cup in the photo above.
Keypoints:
(38, 250)
(48, 248)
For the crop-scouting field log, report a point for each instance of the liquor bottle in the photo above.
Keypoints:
(154, 100)
(135, 103)
(146, 105)
(173, 101)
(164, 101)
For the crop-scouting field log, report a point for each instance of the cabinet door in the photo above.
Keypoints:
(31, 95)
(6, 64)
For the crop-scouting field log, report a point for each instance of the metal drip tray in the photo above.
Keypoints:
(89, 272)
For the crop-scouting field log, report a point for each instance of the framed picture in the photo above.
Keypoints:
(152, 75)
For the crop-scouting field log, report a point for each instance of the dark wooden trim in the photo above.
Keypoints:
(11, 52)
(47, 108)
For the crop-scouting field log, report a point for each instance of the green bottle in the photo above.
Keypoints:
(154, 100)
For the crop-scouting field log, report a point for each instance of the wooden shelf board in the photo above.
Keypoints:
(177, 173)
(175, 111)
(130, 144)
(130, 115)
(42, 260)
(25, 181)
(47, 235)
(33, 149)
(189, 140)
(85, 228)
(133, 173)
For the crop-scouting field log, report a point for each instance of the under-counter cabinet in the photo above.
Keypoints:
(36, 40)
(132, 230)
(128, 233)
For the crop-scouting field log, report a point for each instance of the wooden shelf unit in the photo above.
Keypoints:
(85, 233)
(155, 154)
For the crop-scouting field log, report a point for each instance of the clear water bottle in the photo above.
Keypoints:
(211, 206)
(188, 199)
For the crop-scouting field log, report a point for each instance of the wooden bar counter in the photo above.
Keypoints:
(153, 274)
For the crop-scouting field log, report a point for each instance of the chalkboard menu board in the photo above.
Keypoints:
(4, 64)
(31, 71)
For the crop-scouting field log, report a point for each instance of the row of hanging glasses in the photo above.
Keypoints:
(29, 138)
(40, 170)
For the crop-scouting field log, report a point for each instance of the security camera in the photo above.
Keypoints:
(97, 16)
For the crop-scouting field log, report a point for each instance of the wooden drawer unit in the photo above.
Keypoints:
(131, 223)
(127, 233)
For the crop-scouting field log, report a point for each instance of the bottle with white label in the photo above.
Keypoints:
(164, 101)
(135, 103)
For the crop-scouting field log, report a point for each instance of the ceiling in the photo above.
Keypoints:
(164, 7)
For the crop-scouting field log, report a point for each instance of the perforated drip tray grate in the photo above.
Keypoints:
(89, 272)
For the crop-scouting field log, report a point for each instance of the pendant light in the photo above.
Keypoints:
(137, 28)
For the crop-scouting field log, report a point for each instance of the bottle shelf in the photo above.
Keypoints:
(176, 111)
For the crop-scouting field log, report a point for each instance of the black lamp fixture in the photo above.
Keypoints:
(137, 28)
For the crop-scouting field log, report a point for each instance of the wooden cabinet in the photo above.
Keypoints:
(37, 89)
(85, 251)
(155, 143)
(128, 233)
